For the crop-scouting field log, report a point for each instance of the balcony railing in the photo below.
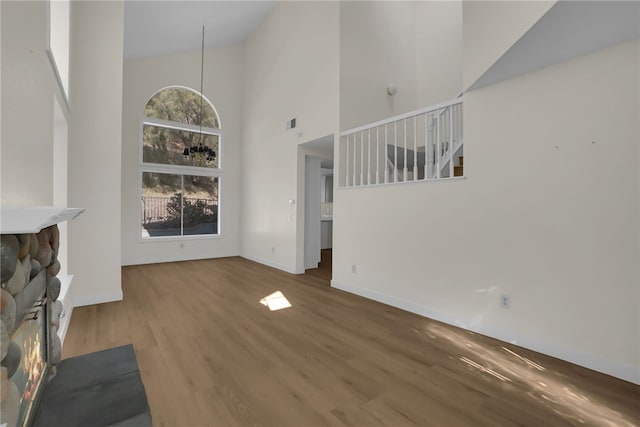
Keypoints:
(422, 145)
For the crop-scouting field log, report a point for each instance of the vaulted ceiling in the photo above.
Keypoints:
(155, 28)
(568, 30)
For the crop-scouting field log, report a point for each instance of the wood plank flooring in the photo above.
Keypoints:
(211, 355)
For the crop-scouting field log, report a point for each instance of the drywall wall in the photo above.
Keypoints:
(60, 171)
(222, 85)
(415, 46)
(1, 74)
(439, 51)
(95, 133)
(548, 214)
(59, 15)
(491, 28)
(312, 212)
(291, 70)
(567, 30)
(27, 99)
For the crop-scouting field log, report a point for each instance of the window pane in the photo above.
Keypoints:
(161, 204)
(200, 205)
(181, 105)
(166, 146)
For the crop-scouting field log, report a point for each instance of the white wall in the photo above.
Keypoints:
(491, 28)
(60, 171)
(27, 99)
(223, 87)
(548, 214)
(312, 212)
(95, 133)
(291, 70)
(59, 15)
(1, 74)
(416, 46)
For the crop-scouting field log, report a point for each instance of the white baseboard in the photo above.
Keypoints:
(65, 321)
(67, 305)
(598, 363)
(82, 300)
(171, 257)
(282, 267)
(69, 302)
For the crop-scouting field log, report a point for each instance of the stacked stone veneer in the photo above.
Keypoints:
(29, 265)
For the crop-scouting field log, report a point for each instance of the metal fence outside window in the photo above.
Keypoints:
(156, 209)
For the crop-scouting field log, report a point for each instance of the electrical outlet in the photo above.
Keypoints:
(353, 268)
(181, 245)
(273, 249)
(505, 301)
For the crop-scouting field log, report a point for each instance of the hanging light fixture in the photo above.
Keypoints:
(200, 155)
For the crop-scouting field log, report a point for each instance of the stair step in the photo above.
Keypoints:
(458, 171)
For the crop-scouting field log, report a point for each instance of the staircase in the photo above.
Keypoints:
(396, 167)
(459, 170)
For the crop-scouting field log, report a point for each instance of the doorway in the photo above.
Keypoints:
(318, 206)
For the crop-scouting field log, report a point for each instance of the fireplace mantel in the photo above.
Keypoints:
(16, 220)
(32, 305)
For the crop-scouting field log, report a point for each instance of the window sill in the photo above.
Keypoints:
(179, 238)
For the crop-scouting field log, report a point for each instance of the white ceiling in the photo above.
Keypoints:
(568, 30)
(155, 28)
(322, 148)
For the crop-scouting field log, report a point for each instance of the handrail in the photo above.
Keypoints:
(436, 130)
(405, 116)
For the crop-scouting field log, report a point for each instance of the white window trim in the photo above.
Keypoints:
(180, 126)
(196, 170)
(179, 170)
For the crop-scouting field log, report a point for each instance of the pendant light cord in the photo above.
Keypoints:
(201, 83)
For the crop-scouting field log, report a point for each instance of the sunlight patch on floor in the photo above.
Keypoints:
(483, 369)
(275, 301)
(545, 385)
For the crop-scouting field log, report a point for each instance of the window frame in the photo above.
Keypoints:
(180, 170)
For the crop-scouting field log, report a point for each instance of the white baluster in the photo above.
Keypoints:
(369, 158)
(415, 148)
(451, 150)
(361, 157)
(405, 170)
(355, 143)
(377, 154)
(456, 116)
(346, 172)
(460, 124)
(456, 140)
(427, 146)
(386, 154)
(438, 147)
(395, 151)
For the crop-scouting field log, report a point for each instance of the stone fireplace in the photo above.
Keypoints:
(30, 308)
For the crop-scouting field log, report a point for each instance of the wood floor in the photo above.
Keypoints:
(323, 272)
(211, 355)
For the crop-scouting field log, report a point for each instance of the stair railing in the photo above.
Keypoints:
(421, 145)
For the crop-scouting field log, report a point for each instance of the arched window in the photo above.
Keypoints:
(181, 140)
